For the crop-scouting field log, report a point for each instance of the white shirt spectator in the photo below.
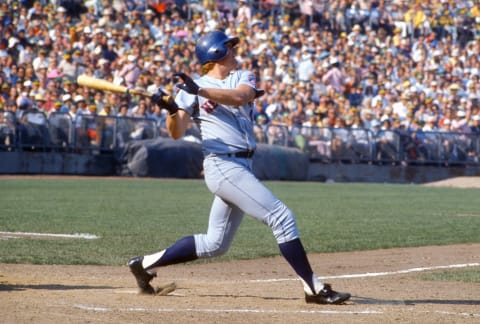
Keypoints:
(460, 124)
(305, 68)
(272, 109)
(400, 108)
(68, 68)
(244, 13)
(38, 61)
(25, 55)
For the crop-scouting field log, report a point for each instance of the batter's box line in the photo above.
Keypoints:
(453, 313)
(103, 309)
(377, 274)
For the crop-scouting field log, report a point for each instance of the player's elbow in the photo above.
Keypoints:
(175, 134)
(242, 97)
(175, 131)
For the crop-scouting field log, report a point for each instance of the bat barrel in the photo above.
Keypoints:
(104, 85)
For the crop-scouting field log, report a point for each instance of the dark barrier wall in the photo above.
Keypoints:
(180, 159)
(25, 162)
(272, 162)
(162, 158)
(338, 172)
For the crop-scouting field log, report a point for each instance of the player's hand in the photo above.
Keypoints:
(164, 101)
(188, 84)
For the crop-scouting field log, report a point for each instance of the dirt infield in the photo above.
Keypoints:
(459, 182)
(386, 286)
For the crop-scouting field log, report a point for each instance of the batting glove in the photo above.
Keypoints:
(164, 101)
(188, 84)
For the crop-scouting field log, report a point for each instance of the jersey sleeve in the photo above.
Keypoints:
(248, 78)
(186, 101)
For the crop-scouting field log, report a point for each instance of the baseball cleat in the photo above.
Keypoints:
(327, 296)
(143, 277)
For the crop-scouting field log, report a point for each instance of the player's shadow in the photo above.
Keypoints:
(9, 287)
(374, 301)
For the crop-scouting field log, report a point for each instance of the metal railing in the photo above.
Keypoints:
(33, 130)
(359, 145)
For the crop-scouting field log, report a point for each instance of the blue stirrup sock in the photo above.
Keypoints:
(294, 253)
(184, 250)
(179, 252)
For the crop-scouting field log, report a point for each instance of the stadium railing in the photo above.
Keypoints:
(359, 145)
(35, 131)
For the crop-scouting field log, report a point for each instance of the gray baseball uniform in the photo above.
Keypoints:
(227, 130)
(228, 145)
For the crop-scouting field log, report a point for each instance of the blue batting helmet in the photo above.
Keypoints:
(212, 47)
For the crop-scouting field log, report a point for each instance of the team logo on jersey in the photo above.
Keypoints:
(209, 106)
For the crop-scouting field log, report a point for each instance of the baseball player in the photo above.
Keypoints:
(221, 102)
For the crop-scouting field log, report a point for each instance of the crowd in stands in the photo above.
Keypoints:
(349, 64)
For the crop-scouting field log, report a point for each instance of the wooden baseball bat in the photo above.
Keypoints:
(104, 85)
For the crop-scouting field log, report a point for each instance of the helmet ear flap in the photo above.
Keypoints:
(218, 52)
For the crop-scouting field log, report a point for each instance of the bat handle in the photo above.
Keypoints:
(138, 92)
(146, 94)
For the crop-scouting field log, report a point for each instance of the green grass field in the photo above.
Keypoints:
(137, 216)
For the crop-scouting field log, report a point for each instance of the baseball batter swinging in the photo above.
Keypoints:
(221, 103)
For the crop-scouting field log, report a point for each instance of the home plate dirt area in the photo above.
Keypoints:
(386, 287)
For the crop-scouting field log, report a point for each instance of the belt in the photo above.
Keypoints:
(242, 154)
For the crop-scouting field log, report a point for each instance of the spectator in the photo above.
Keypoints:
(306, 67)
(67, 104)
(386, 149)
(129, 73)
(68, 67)
(6, 132)
(335, 77)
(243, 14)
(415, 16)
(461, 122)
(402, 54)
(475, 127)
(40, 60)
(290, 9)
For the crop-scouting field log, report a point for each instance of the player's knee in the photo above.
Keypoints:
(285, 227)
(215, 248)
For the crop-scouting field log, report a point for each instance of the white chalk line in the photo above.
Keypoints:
(454, 313)
(85, 236)
(379, 274)
(275, 311)
(253, 311)
(211, 310)
(362, 275)
(468, 215)
(129, 291)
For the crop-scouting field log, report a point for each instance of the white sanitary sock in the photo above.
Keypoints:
(317, 285)
(150, 259)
